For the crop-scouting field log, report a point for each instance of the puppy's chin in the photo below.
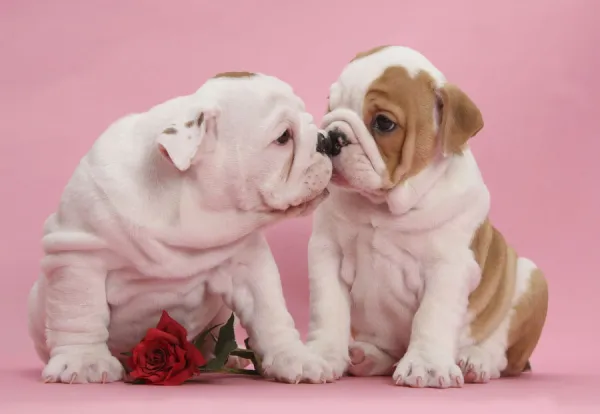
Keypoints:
(307, 207)
(339, 180)
(376, 195)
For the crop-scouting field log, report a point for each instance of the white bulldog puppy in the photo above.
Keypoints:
(408, 276)
(165, 213)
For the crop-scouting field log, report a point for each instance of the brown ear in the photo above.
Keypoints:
(461, 119)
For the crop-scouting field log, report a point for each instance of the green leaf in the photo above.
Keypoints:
(226, 337)
(219, 361)
(243, 353)
(241, 371)
(199, 340)
(224, 346)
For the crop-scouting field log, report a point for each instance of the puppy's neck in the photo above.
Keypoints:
(406, 195)
(205, 219)
(429, 199)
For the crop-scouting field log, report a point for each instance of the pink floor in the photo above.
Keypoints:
(70, 67)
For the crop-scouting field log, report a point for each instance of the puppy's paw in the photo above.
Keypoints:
(337, 360)
(427, 369)
(368, 360)
(296, 364)
(235, 362)
(83, 364)
(476, 365)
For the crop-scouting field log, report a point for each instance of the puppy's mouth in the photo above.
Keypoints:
(309, 204)
(339, 180)
(317, 198)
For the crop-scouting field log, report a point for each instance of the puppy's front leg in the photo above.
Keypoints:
(431, 354)
(329, 332)
(77, 318)
(256, 297)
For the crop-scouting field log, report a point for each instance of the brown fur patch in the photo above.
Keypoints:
(527, 324)
(492, 299)
(189, 124)
(235, 75)
(461, 119)
(170, 131)
(369, 52)
(410, 103)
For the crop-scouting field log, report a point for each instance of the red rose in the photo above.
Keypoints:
(165, 356)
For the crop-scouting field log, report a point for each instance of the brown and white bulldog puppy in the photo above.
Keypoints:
(408, 276)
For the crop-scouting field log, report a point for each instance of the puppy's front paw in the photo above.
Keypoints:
(83, 364)
(294, 365)
(337, 360)
(427, 369)
(476, 365)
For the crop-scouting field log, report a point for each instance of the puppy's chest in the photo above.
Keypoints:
(383, 272)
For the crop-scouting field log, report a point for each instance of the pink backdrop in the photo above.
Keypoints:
(69, 68)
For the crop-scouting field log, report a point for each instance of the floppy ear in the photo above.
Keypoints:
(181, 141)
(460, 118)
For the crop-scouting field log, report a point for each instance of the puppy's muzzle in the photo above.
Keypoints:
(332, 144)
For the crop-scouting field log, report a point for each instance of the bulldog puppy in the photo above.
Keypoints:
(164, 213)
(408, 276)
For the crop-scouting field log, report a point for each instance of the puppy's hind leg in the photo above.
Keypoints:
(526, 325)
(366, 360)
(37, 320)
(507, 350)
(77, 318)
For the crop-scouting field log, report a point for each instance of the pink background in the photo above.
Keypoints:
(69, 68)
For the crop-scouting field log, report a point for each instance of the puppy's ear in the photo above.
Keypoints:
(181, 142)
(460, 118)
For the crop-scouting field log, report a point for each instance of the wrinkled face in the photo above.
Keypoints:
(251, 145)
(394, 114)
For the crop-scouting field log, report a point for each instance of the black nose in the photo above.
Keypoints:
(331, 145)
(323, 145)
(337, 140)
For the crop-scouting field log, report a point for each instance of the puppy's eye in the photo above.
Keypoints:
(382, 123)
(285, 137)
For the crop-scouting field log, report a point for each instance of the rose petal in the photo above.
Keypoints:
(155, 334)
(138, 350)
(165, 356)
(179, 378)
(170, 325)
(157, 359)
(157, 378)
(179, 360)
(194, 355)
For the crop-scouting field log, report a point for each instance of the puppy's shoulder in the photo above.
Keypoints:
(460, 199)
(130, 129)
(461, 183)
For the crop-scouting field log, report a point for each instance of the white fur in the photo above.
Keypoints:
(395, 264)
(137, 232)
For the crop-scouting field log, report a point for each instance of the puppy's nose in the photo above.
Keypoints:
(323, 145)
(338, 140)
